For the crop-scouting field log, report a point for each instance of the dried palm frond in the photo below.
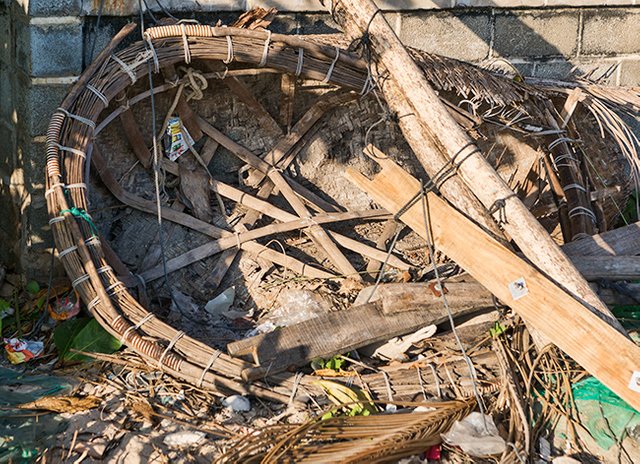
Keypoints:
(378, 438)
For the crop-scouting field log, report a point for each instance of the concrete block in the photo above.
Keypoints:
(54, 7)
(296, 23)
(6, 92)
(630, 73)
(583, 3)
(315, 5)
(611, 31)
(553, 69)
(602, 71)
(536, 33)
(35, 104)
(499, 3)
(49, 49)
(464, 36)
(6, 37)
(130, 7)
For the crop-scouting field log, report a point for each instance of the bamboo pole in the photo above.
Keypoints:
(404, 79)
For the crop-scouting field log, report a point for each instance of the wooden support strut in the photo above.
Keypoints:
(607, 354)
(317, 234)
(409, 94)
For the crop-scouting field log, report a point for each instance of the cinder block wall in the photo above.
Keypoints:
(45, 44)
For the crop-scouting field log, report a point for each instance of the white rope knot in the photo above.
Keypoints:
(126, 68)
(196, 83)
(265, 50)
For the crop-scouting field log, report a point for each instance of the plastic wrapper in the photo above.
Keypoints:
(20, 351)
(177, 139)
(477, 435)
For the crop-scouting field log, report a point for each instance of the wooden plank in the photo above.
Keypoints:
(239, 238)
(316, 233)
(622, 241)
(603, 351)
(135, 138)
(608, 267)
(333, 333)
(287, 98)
(437, 134)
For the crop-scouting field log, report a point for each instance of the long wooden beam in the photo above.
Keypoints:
(603, 351)
(408, 93)
(236, 240)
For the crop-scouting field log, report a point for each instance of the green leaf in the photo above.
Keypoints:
(83, 334)
(32, 287)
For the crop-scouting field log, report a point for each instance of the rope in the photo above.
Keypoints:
(574, 186)
(81, 214)
(185, 44)
(156, 63)
(52, 189)
(75, 151)
(85, 121)
(79, 280)
(99, 94)
(65, 252)
(300, 61)
(126, 68)
(134, 328)
(230, 54)
(432, 248)
(53, 220)
(265, 50)
(582, 211)
(216, 355)
(175, 339)
(331, 67)
(196, 83)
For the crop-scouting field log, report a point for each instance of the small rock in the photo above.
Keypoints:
(184, 438)
(237, 403)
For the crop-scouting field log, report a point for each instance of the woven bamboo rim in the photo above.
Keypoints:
(69, 143)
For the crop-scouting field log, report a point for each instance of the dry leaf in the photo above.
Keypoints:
(62, 404)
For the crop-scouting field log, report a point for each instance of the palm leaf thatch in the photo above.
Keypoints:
(378, 438)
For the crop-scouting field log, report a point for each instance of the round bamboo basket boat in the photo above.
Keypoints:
(85, 256)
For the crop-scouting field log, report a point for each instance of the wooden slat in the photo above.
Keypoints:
(603, 351)
(608, 267)
(340, 332)
(622, 241)
(316, 233)
(235, 240)
(135, 138)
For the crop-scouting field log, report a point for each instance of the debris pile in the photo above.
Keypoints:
(396, 243)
